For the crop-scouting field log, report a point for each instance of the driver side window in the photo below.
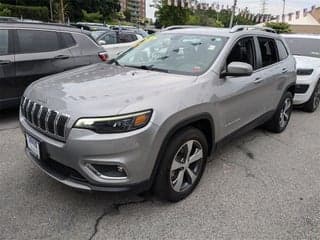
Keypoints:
(243, 51)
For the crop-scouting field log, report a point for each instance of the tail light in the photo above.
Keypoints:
(103, 56)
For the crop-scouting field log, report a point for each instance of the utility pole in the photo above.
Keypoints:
(263, 6)
(51, 11)
(233, 13)
(283, 9)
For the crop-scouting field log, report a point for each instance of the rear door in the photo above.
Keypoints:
(37, 56)
(8, 90)
(272, 72)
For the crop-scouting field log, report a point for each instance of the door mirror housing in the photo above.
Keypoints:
(102, 42)
(238, 69)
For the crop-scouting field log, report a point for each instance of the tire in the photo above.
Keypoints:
(173, 181)
(279, 121)
(314, 100)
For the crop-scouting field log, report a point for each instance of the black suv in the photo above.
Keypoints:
(31, 51)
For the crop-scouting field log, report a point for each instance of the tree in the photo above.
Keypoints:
(92, 17)
(5, 12)
(279, 27)
(172, 15)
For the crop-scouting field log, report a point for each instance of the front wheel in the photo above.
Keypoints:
(182, 166)
(281, 118)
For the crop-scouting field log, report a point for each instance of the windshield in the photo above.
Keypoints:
(174, 53)
(304, 46)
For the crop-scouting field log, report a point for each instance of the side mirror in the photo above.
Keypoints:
(237, 69)
(102, 42)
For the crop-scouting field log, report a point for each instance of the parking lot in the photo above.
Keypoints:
(260, 186)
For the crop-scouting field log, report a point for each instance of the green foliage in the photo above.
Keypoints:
(30, 12)
(5, 12)
(171, 15)
(279, 27)
(73, 8)
(92, 17)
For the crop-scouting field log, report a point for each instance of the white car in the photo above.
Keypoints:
(306, 49)
(116, 42)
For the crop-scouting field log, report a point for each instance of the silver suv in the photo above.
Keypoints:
(151, 118)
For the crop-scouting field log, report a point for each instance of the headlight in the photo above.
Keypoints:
(304, 71)
(116, 124)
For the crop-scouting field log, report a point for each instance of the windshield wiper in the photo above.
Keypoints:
(115, 61)
(148, 67)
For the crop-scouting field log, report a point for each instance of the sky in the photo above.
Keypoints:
(273, 6)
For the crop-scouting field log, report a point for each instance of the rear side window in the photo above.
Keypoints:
(109, 38)
(67, 40)
(4, 40)
(125, 38)
(269, 52)
(33, 41)
(283, 53)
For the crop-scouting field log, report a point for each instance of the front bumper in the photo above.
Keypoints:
(68, 162)
(311, 82)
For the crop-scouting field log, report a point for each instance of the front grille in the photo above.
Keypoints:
(50, 122)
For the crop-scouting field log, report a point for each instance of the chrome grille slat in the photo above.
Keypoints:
(32, 112)
(49, 122)
(55, 124)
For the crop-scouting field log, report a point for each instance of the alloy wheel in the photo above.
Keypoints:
(186, 166)
(285, 112)
(316, 98)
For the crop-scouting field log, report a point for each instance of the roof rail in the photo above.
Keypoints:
(251, 27)
(40, 23)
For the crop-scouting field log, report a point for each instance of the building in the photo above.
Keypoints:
(305, 21)
(137, 9)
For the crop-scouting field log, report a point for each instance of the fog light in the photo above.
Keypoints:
(108, 171)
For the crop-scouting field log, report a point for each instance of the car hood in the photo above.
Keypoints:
(304, 62)
(101, 89)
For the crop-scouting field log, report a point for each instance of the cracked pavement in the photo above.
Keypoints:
(259, 186)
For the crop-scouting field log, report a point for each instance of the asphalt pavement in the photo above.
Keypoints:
(259, 186)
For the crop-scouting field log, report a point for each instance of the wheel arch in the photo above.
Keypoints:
(203, 121)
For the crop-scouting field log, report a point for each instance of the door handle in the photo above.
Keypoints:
(258, 80)
(62, 57)
(284, 70)
(5, 62)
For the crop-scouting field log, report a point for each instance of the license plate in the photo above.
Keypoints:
(33, 145)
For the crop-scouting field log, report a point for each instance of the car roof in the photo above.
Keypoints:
(310, 36)
(41, 26)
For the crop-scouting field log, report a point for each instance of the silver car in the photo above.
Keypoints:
(151, 118)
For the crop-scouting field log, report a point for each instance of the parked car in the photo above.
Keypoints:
(9, 19)
(306, 51)
(91, 26)
(136, 30)
(153, 116)
(31, 51)
(116, 42)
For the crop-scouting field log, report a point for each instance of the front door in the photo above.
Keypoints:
(240, 97)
